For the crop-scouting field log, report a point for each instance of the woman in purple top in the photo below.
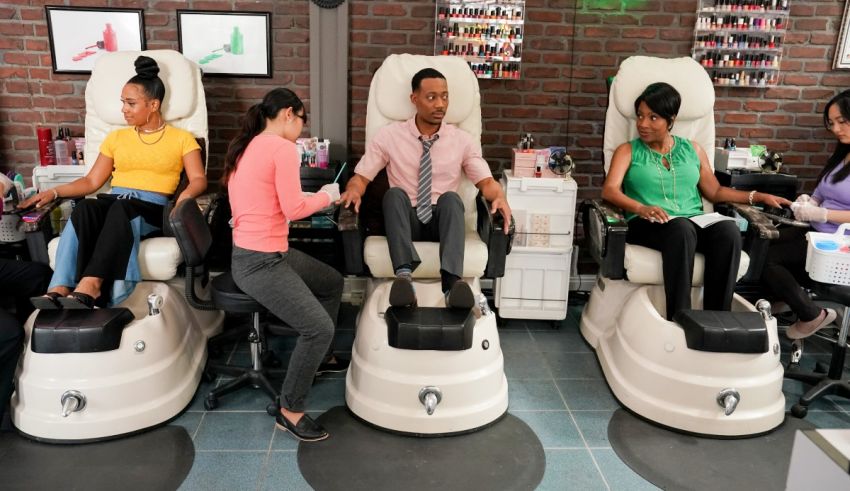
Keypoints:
(828, 207)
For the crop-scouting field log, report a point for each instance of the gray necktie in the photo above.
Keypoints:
(423, 196)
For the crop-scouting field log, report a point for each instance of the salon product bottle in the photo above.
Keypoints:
(46, 150)
(236, 46)
(60, 147)
(110, 38)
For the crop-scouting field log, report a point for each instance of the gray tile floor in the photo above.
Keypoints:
(556, 387)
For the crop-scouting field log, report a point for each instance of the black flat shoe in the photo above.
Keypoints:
(306, 430)
(460, 296)
(336, 366)
(402, 293)
(77, 300)
(48, 301)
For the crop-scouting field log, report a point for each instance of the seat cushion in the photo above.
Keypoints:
(229, 297)
(159, 257)
(429, 328)
(79, 331)
(376, 252)
(643, 265)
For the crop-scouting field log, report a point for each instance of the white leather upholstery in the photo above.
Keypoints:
(694, 122)
(643, 265)
(389, 101)
(184, 107)
(696, 116)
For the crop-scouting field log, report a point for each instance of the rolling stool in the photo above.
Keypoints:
(195, 240)
(824, 380)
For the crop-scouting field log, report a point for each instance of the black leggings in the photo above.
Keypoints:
(785, 270)
(103, 229)
(678, 241)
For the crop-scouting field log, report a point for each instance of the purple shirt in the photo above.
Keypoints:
(397, 147)
(832, 196)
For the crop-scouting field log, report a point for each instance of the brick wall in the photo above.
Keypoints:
(571, 46)
(31, 94)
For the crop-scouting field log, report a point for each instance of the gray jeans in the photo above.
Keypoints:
(304, 293)
(446, 227)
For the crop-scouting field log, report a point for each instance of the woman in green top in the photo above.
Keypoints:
(660, 180)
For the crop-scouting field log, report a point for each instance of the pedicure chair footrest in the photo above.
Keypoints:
(723, 332)
(429, 328)
(79, 331)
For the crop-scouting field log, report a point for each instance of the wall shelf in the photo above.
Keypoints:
(486, 33)
(740, 42)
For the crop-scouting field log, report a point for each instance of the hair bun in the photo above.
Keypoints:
(146, 67)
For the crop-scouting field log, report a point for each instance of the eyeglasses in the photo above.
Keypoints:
(302, 116)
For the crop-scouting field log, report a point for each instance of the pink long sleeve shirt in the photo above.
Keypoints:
(397, 147)
(265, 194)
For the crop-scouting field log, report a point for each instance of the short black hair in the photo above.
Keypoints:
(423, 74)
(662, 99)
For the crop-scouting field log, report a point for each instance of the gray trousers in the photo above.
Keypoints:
(304, 293)
(446, 227)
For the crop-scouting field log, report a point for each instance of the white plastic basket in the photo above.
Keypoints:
(828, 266)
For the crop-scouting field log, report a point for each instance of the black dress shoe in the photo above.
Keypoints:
(460, 296)
(402, 293)
(306, 430)
(336, 366)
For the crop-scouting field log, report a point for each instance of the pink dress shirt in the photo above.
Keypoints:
(265, 194)
(397, 147)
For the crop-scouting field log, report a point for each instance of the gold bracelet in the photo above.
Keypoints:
(750, 197)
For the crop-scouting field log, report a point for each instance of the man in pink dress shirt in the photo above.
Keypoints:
(425, 157)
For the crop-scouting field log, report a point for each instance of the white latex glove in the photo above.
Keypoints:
(808, 212)
(803, 199)
(331, 190)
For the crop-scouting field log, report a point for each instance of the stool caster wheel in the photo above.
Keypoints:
(210, 403)
(272, 409)
(799, 411)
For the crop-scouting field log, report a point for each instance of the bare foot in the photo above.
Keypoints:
(90, 286)
(293, 418)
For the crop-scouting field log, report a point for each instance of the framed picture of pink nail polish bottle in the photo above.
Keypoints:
(80, 35)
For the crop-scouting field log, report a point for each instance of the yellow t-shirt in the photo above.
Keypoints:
(153, 167)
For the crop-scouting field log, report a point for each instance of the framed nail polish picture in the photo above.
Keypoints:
(842, 50)
(227, 44)
(80, 35)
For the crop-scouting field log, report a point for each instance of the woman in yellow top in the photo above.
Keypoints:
(100, 242)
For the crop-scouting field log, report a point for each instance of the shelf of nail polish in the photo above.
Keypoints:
(483, 32)
(745, 6)
(744, 79)
(737, 40)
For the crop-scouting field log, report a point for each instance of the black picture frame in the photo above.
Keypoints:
(225, 43)
(79, 35)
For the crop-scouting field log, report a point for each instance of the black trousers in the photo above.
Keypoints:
(19, 280)
(103, 230)
(446, 227)
(785, 270)
(678, 241)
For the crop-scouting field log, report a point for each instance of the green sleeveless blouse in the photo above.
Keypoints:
(651, 183)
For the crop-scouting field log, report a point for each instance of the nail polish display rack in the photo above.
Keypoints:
(740, 42)
(488, 34)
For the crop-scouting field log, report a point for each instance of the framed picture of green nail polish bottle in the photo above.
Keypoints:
(227, 44)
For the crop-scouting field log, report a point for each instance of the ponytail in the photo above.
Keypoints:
(254, 122)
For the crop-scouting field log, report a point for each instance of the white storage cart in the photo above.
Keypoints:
(537, 271)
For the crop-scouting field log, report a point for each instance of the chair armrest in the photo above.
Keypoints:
(348, 224)
(605, 228)
(491, 229)
(760, 231)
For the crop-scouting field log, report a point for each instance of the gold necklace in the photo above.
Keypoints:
(149, 132)
(658, 164)
(139, 134)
